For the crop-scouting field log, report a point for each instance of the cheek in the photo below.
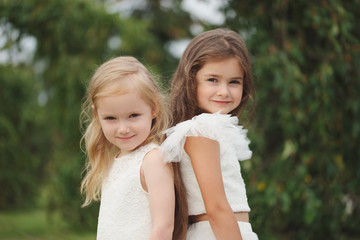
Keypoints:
(106, 129)
(143, 126)
(102, 124)
(199, 98)
(201, 93)
(237, 94)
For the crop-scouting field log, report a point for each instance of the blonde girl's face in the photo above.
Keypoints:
(220, 85)
(125, 120)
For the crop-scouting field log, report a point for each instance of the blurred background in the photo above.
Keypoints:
(303, 181)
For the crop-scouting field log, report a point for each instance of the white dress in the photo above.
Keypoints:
(234, 146)
(124, 209)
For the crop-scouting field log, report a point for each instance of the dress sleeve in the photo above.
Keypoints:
(218, 127)
(174, 143)
(241, 144)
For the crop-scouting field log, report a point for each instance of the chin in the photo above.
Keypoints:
(223, 111)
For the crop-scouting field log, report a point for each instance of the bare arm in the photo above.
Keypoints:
(160, 186)
(205, 158)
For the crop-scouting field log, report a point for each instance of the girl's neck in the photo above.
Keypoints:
(122, 154)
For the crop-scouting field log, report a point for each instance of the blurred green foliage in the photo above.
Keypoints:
(21, 147)
(303, 179)
(306, 170)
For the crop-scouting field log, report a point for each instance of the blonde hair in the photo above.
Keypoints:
(115, 77)
(119, 76)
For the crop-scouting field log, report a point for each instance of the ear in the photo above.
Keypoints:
(94, 109)
(155, 112)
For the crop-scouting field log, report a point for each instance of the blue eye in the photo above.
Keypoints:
(235, 82)
(212, 80)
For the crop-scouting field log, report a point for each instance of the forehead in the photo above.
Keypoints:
(227, 66)
(117, 85)
(120, 86)
(121, 103)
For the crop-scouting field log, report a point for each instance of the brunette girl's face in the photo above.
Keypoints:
(220, 85)
(125, 120)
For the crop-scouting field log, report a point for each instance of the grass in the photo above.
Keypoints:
(34, 225)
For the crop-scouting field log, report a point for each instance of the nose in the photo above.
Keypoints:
(123, 128)
(223, 90)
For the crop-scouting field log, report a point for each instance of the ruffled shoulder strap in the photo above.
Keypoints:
(218, 127)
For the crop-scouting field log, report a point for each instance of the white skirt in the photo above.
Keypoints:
(202, 230)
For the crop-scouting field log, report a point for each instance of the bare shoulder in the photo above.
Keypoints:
(201, 140)
(155, 171)
(200, 143)
(154, 157)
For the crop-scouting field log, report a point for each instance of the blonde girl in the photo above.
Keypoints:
(211, 86)
(125, 117)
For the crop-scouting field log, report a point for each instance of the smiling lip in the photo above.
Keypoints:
(125, 138)
(222, 102)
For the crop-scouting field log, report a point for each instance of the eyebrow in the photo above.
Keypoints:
(211, 75)
(107, 114)
(215, 75)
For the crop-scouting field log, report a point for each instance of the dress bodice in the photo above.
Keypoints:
(124, 208)
(234, 146)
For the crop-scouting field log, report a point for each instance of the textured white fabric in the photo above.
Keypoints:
(124, 208)
(202, 230)
(234, 146)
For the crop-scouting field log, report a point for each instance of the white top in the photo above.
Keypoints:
(234, 146)
(124, 208)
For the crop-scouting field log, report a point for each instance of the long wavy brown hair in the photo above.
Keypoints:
(115, 77)
(211, 45)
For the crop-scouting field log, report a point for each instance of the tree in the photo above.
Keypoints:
(21, 148)
(306, 166)
(303, 178)
(72, 39)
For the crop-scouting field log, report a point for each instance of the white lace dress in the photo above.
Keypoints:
(234, 146)
(124, 209)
